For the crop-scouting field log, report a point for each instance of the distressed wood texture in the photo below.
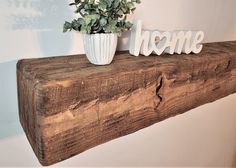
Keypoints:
(67, 105)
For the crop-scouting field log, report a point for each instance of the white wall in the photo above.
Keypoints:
(205, 136)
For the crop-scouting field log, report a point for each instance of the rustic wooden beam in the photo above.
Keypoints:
(67, 105)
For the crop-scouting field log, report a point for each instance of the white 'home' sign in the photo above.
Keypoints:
(146, 42)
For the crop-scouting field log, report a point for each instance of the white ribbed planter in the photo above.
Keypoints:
(100, 48)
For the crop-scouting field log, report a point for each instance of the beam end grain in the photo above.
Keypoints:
(67, 105)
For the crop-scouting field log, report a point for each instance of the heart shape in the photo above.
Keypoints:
(164, 39)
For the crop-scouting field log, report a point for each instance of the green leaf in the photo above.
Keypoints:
(102, 22)
(103, 16)
(67, 26)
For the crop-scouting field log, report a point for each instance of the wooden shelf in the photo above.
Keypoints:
(67, 105)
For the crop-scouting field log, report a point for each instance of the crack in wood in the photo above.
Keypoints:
(158, 94)
(228, 65)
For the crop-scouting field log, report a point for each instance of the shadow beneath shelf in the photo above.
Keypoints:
(9, 121)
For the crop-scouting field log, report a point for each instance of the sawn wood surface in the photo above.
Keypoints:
(67, 105)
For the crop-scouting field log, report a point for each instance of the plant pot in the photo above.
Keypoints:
(100, 48)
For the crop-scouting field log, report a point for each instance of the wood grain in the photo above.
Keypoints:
(67, 105)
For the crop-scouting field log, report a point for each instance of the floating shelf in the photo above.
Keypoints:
(67, 105)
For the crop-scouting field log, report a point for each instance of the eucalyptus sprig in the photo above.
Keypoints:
(101, 16)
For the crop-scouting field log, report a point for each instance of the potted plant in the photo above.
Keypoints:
(100, 22)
